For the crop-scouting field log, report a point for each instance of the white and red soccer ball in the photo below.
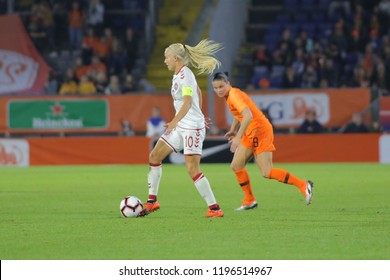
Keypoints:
(130, 206)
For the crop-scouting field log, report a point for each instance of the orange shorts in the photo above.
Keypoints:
(259, 140)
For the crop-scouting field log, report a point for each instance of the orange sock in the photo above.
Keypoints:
(286, 177)
(244, 181)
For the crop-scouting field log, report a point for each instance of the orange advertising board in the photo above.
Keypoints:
(327, 148)
(135, 150)
(135, 108)
(335, 108)
(89, 150)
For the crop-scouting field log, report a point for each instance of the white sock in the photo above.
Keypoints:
(154, 177)
(204, 189)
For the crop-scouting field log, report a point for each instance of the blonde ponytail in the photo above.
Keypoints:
(200, 56)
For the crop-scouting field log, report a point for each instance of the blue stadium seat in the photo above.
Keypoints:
(283, 17)
(276, 82)
(352, 59)
(293, 27)
(300, 17)
(271, 40)
(261, 71)
(291, 4)
(309, 4)
(309, 27)
(324, 29)
(278, 70)
(318, 17)
(256, 77)
(276, 27)
(334, 17)
(324, 4)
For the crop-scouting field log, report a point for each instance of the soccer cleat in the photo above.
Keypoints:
(309, 192)
(148, 208)
(247, 206)
(214, 213)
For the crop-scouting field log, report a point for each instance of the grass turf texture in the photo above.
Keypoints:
(73, 213)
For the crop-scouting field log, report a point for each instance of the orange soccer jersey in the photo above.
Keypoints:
(259, 134)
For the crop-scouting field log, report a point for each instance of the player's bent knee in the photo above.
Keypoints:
(265, 173)
(153, 158)
(236, 167)
(192, 170)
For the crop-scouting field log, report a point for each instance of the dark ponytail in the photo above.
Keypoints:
(221, 76)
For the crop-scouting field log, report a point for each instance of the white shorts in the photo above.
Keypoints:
(188, 140)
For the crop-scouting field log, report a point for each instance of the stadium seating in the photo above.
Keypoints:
(310, 16)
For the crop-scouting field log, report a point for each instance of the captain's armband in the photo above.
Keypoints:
(187, 91)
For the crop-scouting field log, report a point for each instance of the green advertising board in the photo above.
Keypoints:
(54, 114)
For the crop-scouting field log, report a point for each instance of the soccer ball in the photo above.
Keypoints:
(130, 206)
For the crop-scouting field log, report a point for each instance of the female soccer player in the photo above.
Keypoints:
(251, 135)
(187, 129)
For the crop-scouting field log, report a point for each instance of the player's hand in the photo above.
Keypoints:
(235, 142)
(169, 127)
(230, 135)
(207, 122)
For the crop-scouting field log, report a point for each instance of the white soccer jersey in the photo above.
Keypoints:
(185, 78)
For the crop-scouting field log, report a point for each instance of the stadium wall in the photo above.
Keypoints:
(104, 114)
(135, 150)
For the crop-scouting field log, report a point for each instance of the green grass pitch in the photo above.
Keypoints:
(72, 212)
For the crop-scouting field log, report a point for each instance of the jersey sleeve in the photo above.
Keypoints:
(186, 83)
(186, 91)
(238, 102)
